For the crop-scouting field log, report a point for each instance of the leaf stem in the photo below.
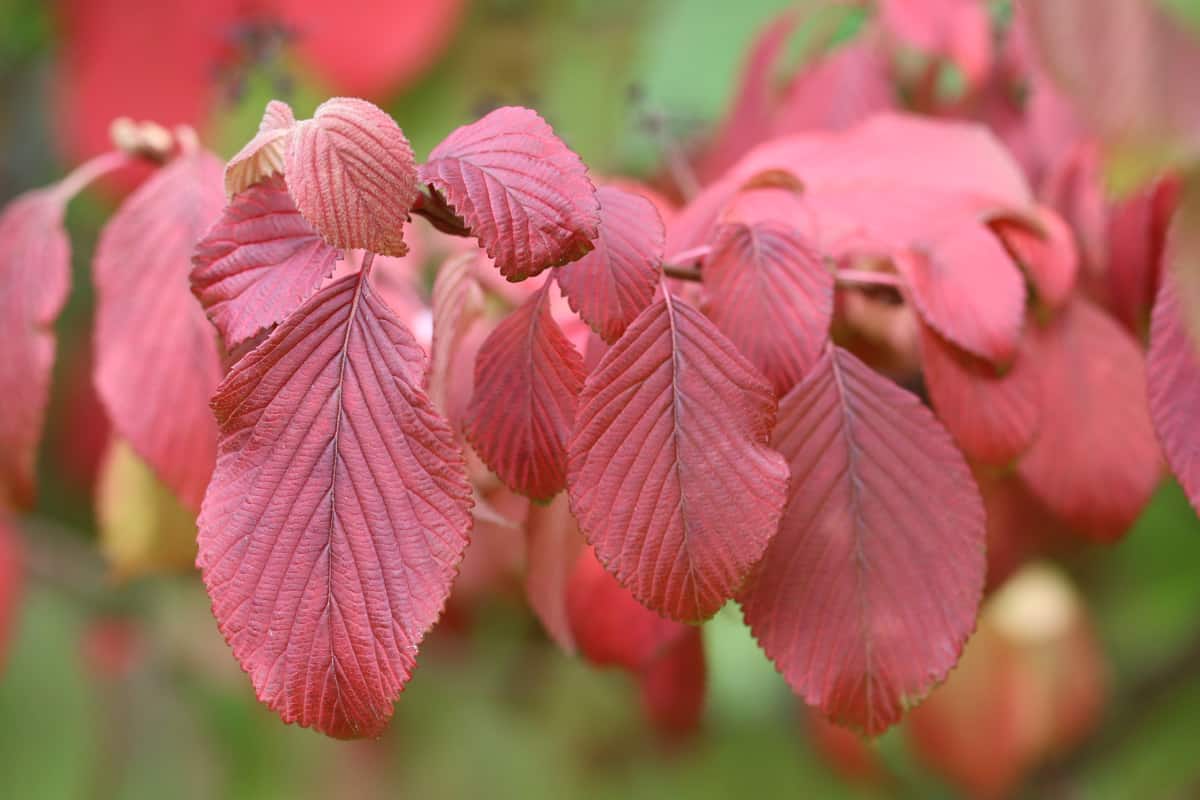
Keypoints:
(680, 272)
(78, 179)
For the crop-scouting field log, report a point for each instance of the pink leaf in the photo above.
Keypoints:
(553, 545)
(837, 91)
(959, 30)
(527, 382)
(156, 354)
(35, 277)
(992, 413)
(1096, 461)
(866, 596)
(1048, 255)
(258, 263)
(670, 475)
(352, 173)
(770, 293)
(1137, 238)
(263, 156)
(524, 194)
(1174, 388)
(610, 286)
(609, 626)
(337, 515)
(457, 303)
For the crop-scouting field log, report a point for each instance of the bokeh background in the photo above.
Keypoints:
(119, 686)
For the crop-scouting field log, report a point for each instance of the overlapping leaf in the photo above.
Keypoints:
(992, 413)
(457, 304)
(528, 377)
(338, 512)
(1174, 390)
(770, 293)
(866, 596)
(156, 354)
(1048, 256)
(670, 475)
(522, 192)
(1096, 461)
(553, 545)
(262, 156)
(352, 174)
(259, 262)
(609, 286)
(34, 280)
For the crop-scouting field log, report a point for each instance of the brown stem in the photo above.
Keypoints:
(432, 206)
(681, 272)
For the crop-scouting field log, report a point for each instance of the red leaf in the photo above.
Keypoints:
(770, 293)
(11, 580)
(417, 32)
(156, 355)
(527, 382)
(670, 476)
(837, 91)
(609, 286)
(1174, 388)
(524, 194)
(866, 596)
(337, 515)
(457, 303)
(673, 687)
(35, 277)
(610, 627)
(1048, 255)
(553, 545)
(258, 263)
(352, 173)
(1137, 237)
(1098, 463)
(263, 156)
(993, 414)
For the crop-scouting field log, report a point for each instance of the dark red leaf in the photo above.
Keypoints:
(35, 277)
(771, 294)
(156, 354)
(1174, 389)
(524, 194)
(1096, 461)
(553, 545)
(866, 596)
(259, 262)
(673, 687)
(1137, 237)
(337, 515)
(992, 413)
(609, 626)
(670, 475)
(609, 286)
(527, 382)
(352, 174)
(262, 156)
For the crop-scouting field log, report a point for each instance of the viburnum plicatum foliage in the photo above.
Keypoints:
(878, 356)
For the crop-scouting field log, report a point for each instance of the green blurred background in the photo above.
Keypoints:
(125, 689)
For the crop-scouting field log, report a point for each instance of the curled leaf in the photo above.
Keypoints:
(262, 156)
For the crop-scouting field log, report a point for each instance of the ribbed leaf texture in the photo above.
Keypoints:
(262, 156)
(992, 413)
(1096, 461)
(528, 377)
(156, 355)
(770, 293)
(866, 596)
(610, 286)
(522, 192)
(352, 174)
(1174, 388)
(670, 475)
(337, 515)
(35, 276)
(259, 262)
